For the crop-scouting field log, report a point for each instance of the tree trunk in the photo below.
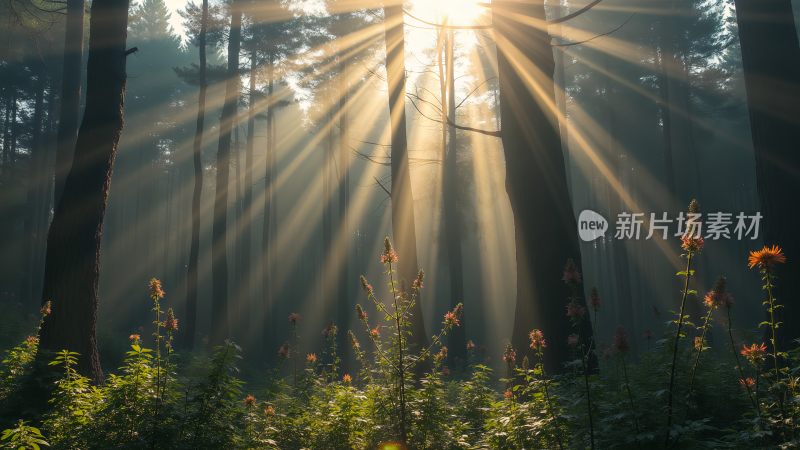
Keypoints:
(536, 180)
(190, 311)
(34, 179)
(269, 207)
(72, 266)
(219, 232)
(403, 227)
(344, 310)
(70, 108)
(771, 62)
(246, 228)
(452, 221)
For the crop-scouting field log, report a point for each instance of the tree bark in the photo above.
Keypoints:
(536, 180)
(70, 108)
(72, 266)
(190, 320)
(452, 221)
(403, 227)
(219, 232)
(771, 62)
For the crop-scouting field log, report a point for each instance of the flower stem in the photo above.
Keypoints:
(685, 294)
(739, 364)
(630, 395)
(700, 349)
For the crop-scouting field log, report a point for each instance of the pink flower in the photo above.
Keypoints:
(375, 332)
(510, 356)
(283, 351)
(389, 255)
(451, 318)
(417, 284)
(294, 318)
(537, 339)
(470, 345)
(366, 286)
(171, 322)
(692, 244)
(508, 395)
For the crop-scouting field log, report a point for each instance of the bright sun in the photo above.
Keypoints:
(455, 12)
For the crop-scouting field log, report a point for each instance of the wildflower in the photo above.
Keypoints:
(156, 292)
(718, 296)
(571, 273)
(283, 351)
(451, 318)
(692, 243)
(766, 257)
(510, 355)
(269, 410)
(442, 355)
(32, 340)
(347, 378)
(747, 382)
(573, 340)
(575, 311)
(537, 339)
(621, 343)
(294, 318)
(353, 341)
(417, 283)
(389, 255)
(366, 286)
(375, 332)
(311, 358)
(594, 300)
(754, 353)
(171, 322)
(470, 345)
(508, 395)
(135, 338)
(698, 343)
(249, 401)
(330, 330)
(46, 309)
(362, 315)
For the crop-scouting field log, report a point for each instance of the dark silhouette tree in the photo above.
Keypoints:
(72, 264)
(771, 63)
(219, 232)
(536, 181)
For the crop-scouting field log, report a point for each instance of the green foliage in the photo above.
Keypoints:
(156, 400)
(22, 437)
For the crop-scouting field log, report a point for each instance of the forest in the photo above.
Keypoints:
(399, 224)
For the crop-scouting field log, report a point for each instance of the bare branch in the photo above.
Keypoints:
(569, 44)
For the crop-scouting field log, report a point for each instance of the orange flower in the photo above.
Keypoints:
(269, 410)
(747, 382)
(347, 378)
(766, 257)
(718, 296)
(156, 292)
(135, 337)
(249, 401)
(311, 358)
(537, 339)
(755, 352)
(375, 332)
(46, 309)
(508, 394)
(171, 323)
(470, 345)
(32, 340)
(692, 244)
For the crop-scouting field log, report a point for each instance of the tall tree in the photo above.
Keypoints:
(190, 311)
(72, 266)
(771, 63)
(450, 197)
(403, 227)
(536, 180)
(69, 113)
(219, 231)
